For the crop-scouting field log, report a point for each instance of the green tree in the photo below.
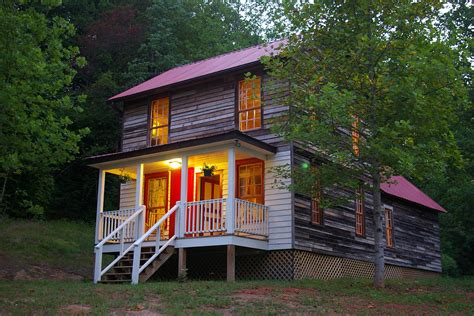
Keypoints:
(381, 72)
(184, 31)
(456, 190)
(36, 73)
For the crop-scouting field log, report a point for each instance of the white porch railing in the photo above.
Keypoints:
(137, 219)
(110, 220)
(207, 216)
(137, 245)
(251, 218)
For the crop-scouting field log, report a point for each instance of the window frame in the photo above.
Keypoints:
(150, 119)
(317, 219)
(249, 161)
(388, 244)
(237, 103)
(360, 211)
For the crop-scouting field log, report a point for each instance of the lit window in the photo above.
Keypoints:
(250, 106)
(159, 122)
(389, 227)
(355, 136)
(250, 181)
(360, 211)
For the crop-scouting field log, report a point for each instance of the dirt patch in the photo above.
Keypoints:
(13, 270)
(76, 309)
(366, 306)
(152, 306)
(252, 295)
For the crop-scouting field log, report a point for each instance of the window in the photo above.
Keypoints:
(250, 180)
(355, 136)
(159, 117)
(360, 211)
(316, 209)
(250, 106)
(389, 227)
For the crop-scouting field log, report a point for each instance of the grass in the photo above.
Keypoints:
(60, 244)
(68, 246)
(436, 296)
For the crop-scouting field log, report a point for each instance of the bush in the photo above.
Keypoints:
(450, 266)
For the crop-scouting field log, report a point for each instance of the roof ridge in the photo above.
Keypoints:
(217, 56)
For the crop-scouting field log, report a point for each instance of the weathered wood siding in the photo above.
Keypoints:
(416, 232)
(203, 110)
(135, 125)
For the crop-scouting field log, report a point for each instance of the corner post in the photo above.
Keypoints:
(182, 263)
(183, 196)
(230, 263)
(139, 200)
(230, 216)
(100, 205)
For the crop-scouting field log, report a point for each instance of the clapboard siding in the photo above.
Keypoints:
(280, 204)
(127, 194)
(416, 231)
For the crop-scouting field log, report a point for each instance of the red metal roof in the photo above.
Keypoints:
(400, 187)
(203, 68)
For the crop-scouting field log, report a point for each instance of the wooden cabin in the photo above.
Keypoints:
(199, 195)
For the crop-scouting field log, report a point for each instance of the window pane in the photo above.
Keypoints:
(249, 104)
(159, 122)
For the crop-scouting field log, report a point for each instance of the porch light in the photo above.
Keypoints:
(174, 164)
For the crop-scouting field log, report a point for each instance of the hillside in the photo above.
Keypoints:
(46, 250)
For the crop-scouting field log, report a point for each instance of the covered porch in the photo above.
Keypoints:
(209, 195)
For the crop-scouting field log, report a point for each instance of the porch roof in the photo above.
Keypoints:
(199, 142)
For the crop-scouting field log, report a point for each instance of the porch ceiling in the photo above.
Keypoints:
(196, 161)
(168, 150)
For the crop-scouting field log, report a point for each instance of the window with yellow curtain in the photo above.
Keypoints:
(250, 182)
(250, 105)
(159, 117)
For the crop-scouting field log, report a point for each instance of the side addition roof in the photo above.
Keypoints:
(203, 68)
(400, 187)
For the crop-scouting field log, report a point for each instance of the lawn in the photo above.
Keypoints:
(435, 296)
(45, 268)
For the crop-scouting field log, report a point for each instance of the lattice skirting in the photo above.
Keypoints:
(309, 265)
(210, 264)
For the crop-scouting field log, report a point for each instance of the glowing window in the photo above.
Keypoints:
(250, 182)
(355, 136)
(250, 105)
(159, 122)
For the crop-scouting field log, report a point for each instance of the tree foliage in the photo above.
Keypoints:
(36, 72)
(385, 75)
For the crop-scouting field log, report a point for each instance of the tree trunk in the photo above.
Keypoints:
(379, 261)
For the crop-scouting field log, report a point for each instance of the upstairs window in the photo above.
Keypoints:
(360, 212)
(159, 120)
(389, 227)
(355, 136)
(250, 105)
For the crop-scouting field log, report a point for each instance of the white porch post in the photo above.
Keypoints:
(139, 200)
(100, 204)
(230, 216)
(183, 196)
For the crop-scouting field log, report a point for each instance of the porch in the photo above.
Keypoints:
(170, 201)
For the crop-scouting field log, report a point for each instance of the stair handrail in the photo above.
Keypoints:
(136, 269)
(99, 272)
